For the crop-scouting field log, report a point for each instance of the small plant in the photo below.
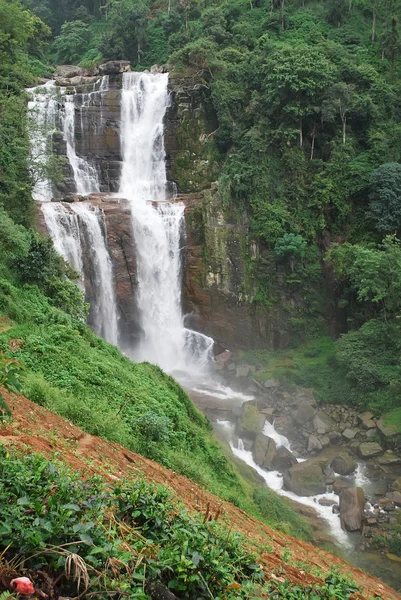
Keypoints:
(10, 379)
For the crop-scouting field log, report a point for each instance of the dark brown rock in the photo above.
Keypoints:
(343, 464)
(264, 451)
(352, 503)
(283, 459)
(114, 67)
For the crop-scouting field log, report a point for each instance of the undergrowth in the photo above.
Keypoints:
(130, 540)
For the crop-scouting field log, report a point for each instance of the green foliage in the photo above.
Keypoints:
(385, 197)
(49, 515)
(278, 513)
(72, 42)
(335, 587)
(374, 273)
(290, 245)
(10, 380)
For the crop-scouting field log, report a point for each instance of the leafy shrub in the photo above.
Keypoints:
(10, 379)
(49, 514)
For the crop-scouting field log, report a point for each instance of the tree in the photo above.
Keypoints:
(126, 34)
(385, 197)
(338, 102)
(297, 77)
(374, 273)
(72, 42)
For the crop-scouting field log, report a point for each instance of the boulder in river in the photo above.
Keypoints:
(314, 444)
(387, 429)
(389, 458)
(343, 464)
(322, 422)
(369, 449)
(352, 504)
(250, 423)
(264, 451)
(394, 497)
(284, 459)
(304, 413)
(349, 433)
(306, 478)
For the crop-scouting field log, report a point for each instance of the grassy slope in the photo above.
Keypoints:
(89, 382)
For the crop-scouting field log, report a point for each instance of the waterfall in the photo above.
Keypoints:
(158, 227)
(63, 228)
(42, 109)
(85, 175)
(78, 233)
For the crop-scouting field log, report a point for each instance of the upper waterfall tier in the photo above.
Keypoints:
(70, 123)
(75, 131)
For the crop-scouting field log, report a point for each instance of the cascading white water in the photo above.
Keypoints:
(63, 228)
(85, 174)
(103, 305)
(42, 109)
(78, 233)
(158, 228)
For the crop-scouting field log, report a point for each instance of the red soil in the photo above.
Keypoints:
(35, 428)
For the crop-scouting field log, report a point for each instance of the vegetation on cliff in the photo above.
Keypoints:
(308, 144)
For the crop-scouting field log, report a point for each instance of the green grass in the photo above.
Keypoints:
(292, 365)
(91, 384)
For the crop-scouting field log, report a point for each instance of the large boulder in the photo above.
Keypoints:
(389, 458)
(264, 451)
(76, 81)
(369, 449)
(304, 413)
(323, 423)
(113, 67)
(352, 504)
(69, 71)
(343, 464)
(387, 429)
(306, 478)
(394, 497)
(366, 420)
(314, 444)
(250, 423)
(283, 460)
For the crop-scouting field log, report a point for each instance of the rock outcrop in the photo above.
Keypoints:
(306, 478)
(352, 503)
(121, 245)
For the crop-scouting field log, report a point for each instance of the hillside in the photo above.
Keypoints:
(281, 557)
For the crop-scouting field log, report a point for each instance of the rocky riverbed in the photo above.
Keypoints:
(335, 456)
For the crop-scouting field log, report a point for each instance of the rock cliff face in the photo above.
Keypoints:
(96, 131)
(218, 288)
(121, 246)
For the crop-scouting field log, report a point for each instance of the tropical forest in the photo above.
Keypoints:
(200, 299)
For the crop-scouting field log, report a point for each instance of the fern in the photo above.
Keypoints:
(7, 596)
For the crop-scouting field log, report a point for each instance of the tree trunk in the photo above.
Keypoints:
(373, 23)
(282, 14)
(169, 7)
(301, 137)
(312, 149)
(344, 119)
